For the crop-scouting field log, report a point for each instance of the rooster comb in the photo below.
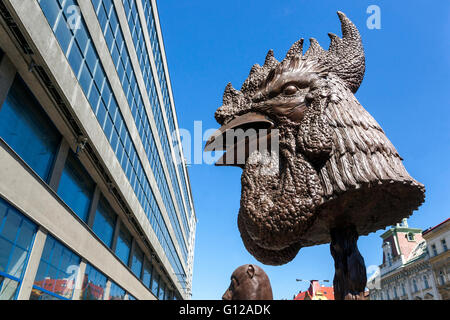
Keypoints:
(345, 58)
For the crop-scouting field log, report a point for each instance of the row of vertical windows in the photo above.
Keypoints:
(163, 84)
(26, 128)
(434, 247)
(151, 26)
(57, 276)
(414, 288)
(115, 40)
(76, 188)
(58, 268)
(144, 62)
(108, 20)
(136, 28)
(97, 88)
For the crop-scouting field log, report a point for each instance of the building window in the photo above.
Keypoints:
(162, 291)
(76, 187)
(389, 257)
(441, 278)
(155, 283)
(97, 89)
(415, 285)
(410, 236)
(57, 272)
(104, 222)
(395, 292)
(116, 292)
(169, 294)
(16, 236)
(147, 274)
(425, 282)
(433, 248)
(444, 245)
(94, 284)
(27, 129)
(403, 289)
(123, 246)
(137, 261)
(388, 295)
(381, 296)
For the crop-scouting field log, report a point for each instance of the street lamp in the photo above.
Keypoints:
(310, 282)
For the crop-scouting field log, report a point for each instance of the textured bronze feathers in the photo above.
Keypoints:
(336, 167)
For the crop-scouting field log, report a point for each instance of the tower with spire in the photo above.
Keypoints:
(398, 245)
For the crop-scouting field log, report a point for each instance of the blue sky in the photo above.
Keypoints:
(406, 85)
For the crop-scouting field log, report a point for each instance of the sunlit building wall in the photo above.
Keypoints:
(95, 200)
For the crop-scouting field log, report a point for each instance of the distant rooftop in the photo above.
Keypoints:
(436, 226)
(319, 293)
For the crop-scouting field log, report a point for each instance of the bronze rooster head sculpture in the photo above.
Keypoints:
(333, 165)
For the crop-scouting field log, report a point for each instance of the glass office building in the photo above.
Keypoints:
(95, 200)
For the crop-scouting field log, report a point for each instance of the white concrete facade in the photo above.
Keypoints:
(23, 189)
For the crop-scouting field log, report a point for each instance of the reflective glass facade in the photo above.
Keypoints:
(57, 272)
(16, 238)
(125, 185)
(123, 246)
(116, 292)
(154, 40)
(155, 284)
(97, 88)
(76, 187)
(115, 40)
(38, 140)
(104, 222)
(94, 284)
(146, 69)
(162, 291)
(137, 261)
(55, 279)
(147, 274)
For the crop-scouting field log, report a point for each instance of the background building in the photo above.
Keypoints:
(95, 201)
(316, 292)
(439, 256)
(406, 272)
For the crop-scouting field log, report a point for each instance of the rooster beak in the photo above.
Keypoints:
(238, 144)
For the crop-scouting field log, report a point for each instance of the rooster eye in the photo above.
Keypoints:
(290, 90)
